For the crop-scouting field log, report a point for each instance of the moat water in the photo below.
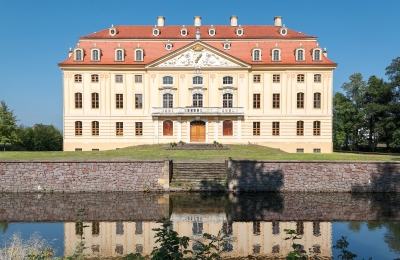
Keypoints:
(122, 223)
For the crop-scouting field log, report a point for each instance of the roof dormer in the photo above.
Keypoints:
(156, 31)
(239, 30)
(184, 31)
(113, 31)
(211, 31)
(79, 53)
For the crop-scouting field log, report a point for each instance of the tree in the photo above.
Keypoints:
(393, 73)
(41, 138)
(8, 126)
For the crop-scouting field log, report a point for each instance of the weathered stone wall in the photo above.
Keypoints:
(81, 176)
(314, 176)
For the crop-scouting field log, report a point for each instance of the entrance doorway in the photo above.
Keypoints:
(197, 131)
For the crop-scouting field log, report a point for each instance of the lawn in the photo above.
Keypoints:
(157, 152)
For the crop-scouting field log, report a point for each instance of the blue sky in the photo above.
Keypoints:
(362, 36)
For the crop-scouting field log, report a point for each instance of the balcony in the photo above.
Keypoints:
(198, 111)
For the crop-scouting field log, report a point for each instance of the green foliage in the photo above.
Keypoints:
(8, 126)
(298, 253)
(218, 144)
(342, 245)
(44, 254)
(41, 138)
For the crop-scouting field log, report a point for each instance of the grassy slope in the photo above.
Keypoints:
(157, 152)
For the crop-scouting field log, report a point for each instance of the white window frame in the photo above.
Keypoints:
(283, 31)
(141, 57)
(92, 55)
(211, 29)
(184, 32)
(116, 54)
(297, 54)
(253, 54)
(273, 54)
(320, 54)
(227, 84)
(202, 80)
(82, 54)
(168, 46)
(115, 31)
(239, 29)
(167, 84)
(156, 31)
(227, 43)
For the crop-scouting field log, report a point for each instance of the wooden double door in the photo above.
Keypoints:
(197, 131)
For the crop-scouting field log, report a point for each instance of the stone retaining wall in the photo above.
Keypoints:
(83, 176)
(314, 176)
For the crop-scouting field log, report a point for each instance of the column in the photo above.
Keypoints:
(179, 129)
(239, 130)
(216, 128)
(155, 129)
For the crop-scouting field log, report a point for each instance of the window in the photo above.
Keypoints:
(197, 100)
(95, 78)
(317, 55)
(275, 128)
(300, 128)
(95, 127)
(78, 228)
(275, 249)
(119, 249)
(227, 129)
(316, 229)
(119, 100)
(119, 78)
(256, 228)
(78, 100)
(138, 228)
(95, 55)
(138, 128)
(138, 101)
(78, 78)
(168, 80)
(211, 32)
(299, 150)
(300, 55)
(197, 80)
(95, 100)
(300, 100)
(317, 77)
(95, 228)
(168, 46)
(300, 77)
(317, 150)
(256, 128)
(228, 80)
(317, 100)
(256, 249)
(78, 55)
(227, 100)
(156, 32)
(276, 100)
(95, 249)
(276, 55)
(183, 32)
(227, 45)
(168, 101)
(138, 55)
(119, 228)
(256, 55)
(119, 128)
(299, 228)
(256, 78)
(227, 228)
(256, 100)
(317, 249)
(239, 31)
(78, 127)
(139, 248)
(275, 228)
(119, 55)
(317, 128)
(197, 228)
(276, 78)
(138, 78)
(168, 128)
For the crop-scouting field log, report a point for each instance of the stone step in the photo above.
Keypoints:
(194, 146)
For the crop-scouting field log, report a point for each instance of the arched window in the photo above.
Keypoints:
(227, 100)
(317, 128)
(138, 55)
(300, 54)
(95, 100)
(78, 127)
(317, 100)
(168, 128)
(300, 128)
(317, 55)
(256, 55)
(275, 56)
(197, 100)
(227, 128)
(197, 80)
(95, 55)
(78, 55)
(119, 55)
(168, 100)
(95, 78)
(95, 127)
(78, 100)
(168, 80)
(227, 80)
(300, 100)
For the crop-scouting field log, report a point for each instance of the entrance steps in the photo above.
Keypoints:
(202, 176)
(198, 146)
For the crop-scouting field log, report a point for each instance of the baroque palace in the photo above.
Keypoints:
(263, 84)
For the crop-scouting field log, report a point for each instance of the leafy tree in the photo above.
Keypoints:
(41, 138)
(8, 127)
(393, 73)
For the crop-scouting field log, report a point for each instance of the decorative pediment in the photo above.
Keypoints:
(198, 55)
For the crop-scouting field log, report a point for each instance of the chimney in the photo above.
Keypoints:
(70, 52)
(325, 52)
(234, 20)
(197, 21)
(278, 21)
(160, 21)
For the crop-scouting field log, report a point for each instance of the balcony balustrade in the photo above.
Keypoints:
(198, 111)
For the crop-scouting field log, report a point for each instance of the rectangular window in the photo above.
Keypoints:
(95, 228)
(79, 228)
(119, 128)
(256, 100)
(95, 78)
(119, 228)
(276, 100)
(256, 78)
(78, 78)
(138, 128)
(78, 127)
(300, 128)
(300, 228)
(138, 100)
(119, 78)
(276, 78)
(317, 150)
(317, 128)
(78, 100)
(119, 249)
(119, 100)
(275, 228)
(256, 228)
(139, 248)
(317, 100)
(256, 128)
(317, 77)
(95, 127)
(95, 100)
(138, 78)
(300, 100)
(300, 150)
(197, 228)
(138, 228)
(275, 128)
(300, 77)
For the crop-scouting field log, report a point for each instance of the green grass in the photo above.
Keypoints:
(157, 152)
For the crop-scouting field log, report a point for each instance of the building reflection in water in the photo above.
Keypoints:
(256, 238)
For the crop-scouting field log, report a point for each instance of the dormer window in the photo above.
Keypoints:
(95, 54)
(317, 54)
(256, 54)
(156, 31)
(184, 31)
(276, 54)
(227, 45)
(168, 46)
(113, 31)
(239, 31)
(138, 54)
(78, 54)
(283, 31)
(119, 54)
(211, 31)
(300, 54)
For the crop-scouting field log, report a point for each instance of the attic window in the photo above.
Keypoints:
(156, 32)
(168, 46)
(183, 32)
(283, 31)
(113, 31)
(239, 31)
(78, 54)
(211, 31)
(227, 45)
